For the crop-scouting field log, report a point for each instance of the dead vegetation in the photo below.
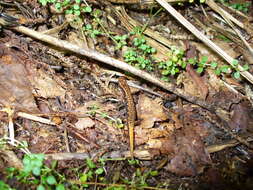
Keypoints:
(183, 108)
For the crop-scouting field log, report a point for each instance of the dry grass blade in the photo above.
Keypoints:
(228, 144)
(204, 39)
(215, 7)
(154, 39)
(35, 118)
(228, 18)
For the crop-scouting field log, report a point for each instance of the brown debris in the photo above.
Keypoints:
(90, 126)
(150, 111)
(240, 116)
(16, 89)
(199, 82)
(190, 154)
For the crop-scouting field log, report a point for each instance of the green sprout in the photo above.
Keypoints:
(173, 65)
(141, 54)
(121, 41)
(72, 7)
(243, 7)
(93, 33)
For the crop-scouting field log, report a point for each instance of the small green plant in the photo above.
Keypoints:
(173, 65)
(140, 178)
(135, 58)
(133, 162)
(44, 2)
(37, 174)
(33, 164)
(70, 7)
(93, 172)
(227, 69)
(130, 56)
(93, 33)
(141, 54)
(200, 64)
(4, 186)
(121, 41)
(244, 7)
(141, 44)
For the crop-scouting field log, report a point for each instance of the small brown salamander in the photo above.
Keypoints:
(130, 111)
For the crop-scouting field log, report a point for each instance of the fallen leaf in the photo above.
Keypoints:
(199, 81)
(15, 87)
(45, 86)
(149, 111)
(83, 123)
(240, 118)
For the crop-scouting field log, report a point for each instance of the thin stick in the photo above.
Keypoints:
(10, 113)
(35, 118)
(213, 6)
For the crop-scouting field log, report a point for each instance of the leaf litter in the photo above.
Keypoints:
(95, 122)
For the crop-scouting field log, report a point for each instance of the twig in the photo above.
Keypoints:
(35, 118)
(134, 85)
(10, 113)
(228, 144)
(114, 155)
(204, 39)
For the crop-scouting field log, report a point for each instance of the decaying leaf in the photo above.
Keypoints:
(198, 81)
(83, 123)
(16, 90)
(45, 86)
(149, 111)
(240, 118)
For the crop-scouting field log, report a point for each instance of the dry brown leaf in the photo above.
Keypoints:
(228, 48)
(144, 135)
(149, 111)
(190, 153)
(199, 81)
(83, 123)
(45, 86)
(240, 118)
(189, 86)
(214, 82)
(15, 88)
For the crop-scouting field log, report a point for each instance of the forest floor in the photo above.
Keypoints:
(126, 94)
